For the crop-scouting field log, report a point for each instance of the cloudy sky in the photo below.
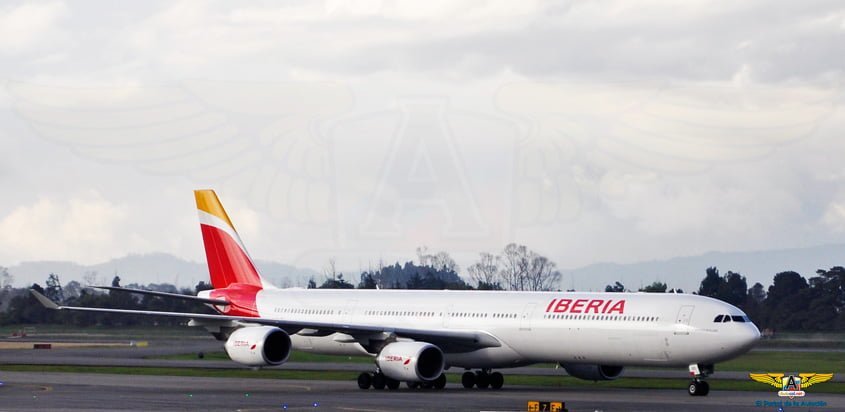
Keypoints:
(589, 131)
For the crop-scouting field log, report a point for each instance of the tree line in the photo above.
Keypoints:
(791, 302)
(22, 308)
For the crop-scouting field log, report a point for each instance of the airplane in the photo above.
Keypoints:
(414, 336)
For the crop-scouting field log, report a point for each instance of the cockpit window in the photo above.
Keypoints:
(726, 319)
(718, 319)
(738, 318)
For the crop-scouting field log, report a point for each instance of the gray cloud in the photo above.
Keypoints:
(589, 131)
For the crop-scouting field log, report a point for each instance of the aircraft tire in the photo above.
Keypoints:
(497, 380)
(694, 388)
(379, 381)
(365, 380)
(468, 380)
(705, 388)
(392, 384)
(440, 382)
(482, 380)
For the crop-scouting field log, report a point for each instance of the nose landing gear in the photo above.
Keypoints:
(698, 386)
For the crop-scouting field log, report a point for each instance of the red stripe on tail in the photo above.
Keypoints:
(227, 263)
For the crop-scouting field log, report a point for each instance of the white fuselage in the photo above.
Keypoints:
(568, 327)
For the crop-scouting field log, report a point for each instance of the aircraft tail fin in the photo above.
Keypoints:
(228, 260)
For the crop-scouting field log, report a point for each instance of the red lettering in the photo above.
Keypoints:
(563, 305)
(618, 307)
(606, 304)
(549, 308)
(576, 307)
(594, 305)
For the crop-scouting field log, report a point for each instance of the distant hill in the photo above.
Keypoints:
(681, 272)
(150, 268)
(686, 272)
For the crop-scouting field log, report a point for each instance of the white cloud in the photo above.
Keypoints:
(834, 215)
(25, 25)
(645, 130)
(85, 229)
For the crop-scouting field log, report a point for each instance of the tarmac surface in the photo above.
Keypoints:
(65, 391)
(145, 357)
(73, 391)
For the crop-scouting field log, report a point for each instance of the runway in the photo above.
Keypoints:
(145, 357)
(72, 392)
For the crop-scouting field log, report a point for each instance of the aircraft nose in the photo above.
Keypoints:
(750, 336)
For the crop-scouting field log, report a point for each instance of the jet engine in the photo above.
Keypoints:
(593, 372)
(411, 361)
(258, 346)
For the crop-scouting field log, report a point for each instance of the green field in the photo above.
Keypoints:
(778, 361)
(755, 361)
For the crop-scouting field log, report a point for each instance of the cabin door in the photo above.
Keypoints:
(525, 320)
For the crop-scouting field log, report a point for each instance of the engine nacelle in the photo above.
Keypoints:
(411, 361)
(258, 346)
(593, 372)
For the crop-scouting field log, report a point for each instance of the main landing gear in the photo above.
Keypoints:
(483, 379)
(698, 386)
(378, 380)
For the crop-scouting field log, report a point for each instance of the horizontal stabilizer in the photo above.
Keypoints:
(49, 304)
(192, 298)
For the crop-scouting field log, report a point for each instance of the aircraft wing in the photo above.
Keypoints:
(449, 341)
(218, 302)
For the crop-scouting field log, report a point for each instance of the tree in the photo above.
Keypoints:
(734, 289)
(731, 288)
(784, 285)
(336, 283)
(786, 301)
(54, 288)
(441, 261)
(514, 263)
(312, 284)
(5, 279)
(617, 287)
(367, 281)
(711, 283)
(757, 293)
(541, 274)
(90, 279)
(656, 287)
(485, 272)
(330, 270)
(116, 281)
(201, 286)
(72, 290)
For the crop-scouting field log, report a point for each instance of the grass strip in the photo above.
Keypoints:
(755, 361)
(542, 381)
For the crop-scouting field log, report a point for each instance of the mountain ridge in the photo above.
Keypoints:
(684, 272)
